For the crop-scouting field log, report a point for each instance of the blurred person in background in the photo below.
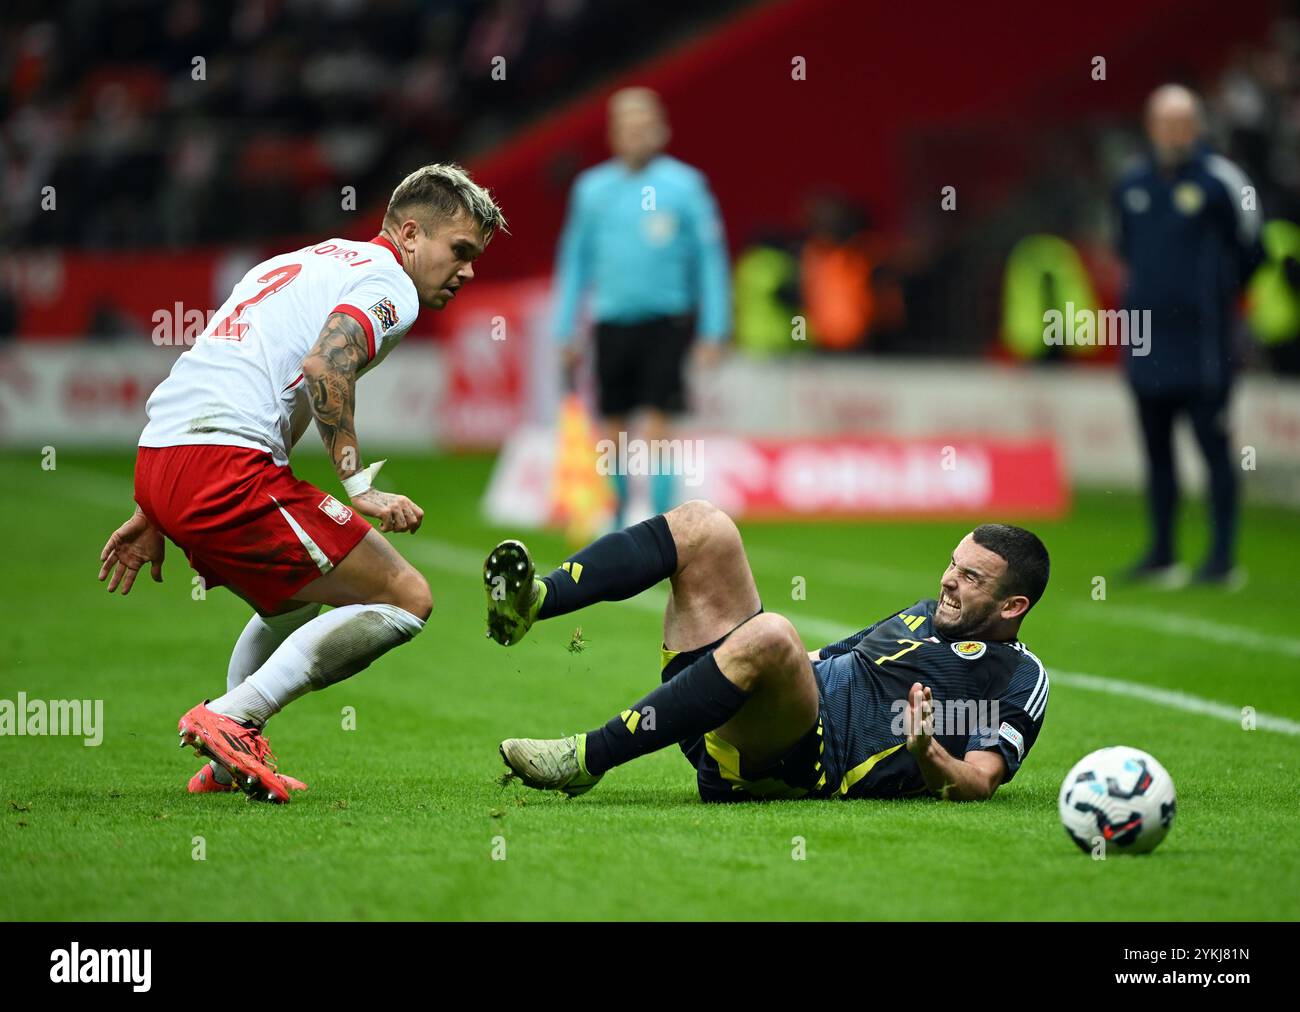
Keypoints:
(643, 234)
(836, 264)
(1189, 235)
(767, 296)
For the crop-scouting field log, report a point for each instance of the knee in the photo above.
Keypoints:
(771, 650)
(410, 592)
(773, 638)
(701, 526)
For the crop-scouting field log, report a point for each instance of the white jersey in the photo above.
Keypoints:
(241, 383)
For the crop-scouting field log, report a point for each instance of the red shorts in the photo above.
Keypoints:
(243, 520)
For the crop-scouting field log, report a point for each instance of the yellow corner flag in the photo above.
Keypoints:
(581, 497)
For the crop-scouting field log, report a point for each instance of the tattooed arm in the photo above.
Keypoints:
(330, 372)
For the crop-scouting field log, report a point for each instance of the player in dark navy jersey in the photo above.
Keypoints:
(938, 698)
(986, 695)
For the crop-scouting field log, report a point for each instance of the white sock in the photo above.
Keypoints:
(261, 637)
(328, 649)
(256, 643)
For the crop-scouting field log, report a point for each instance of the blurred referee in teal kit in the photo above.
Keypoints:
(644, 235)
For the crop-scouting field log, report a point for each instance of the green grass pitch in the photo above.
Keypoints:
(405, 812)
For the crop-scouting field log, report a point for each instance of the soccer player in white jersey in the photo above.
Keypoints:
(212, 471)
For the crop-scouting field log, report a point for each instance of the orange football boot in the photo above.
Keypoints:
(242, 750)
(204, 782)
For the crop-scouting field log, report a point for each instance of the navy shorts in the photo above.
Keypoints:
(722, 773)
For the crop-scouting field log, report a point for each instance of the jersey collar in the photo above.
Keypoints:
(384, 241)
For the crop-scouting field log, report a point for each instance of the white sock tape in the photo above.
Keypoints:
(360, 483)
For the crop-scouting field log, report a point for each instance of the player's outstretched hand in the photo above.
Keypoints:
(395, 513)
(919, 719)
(130, 547)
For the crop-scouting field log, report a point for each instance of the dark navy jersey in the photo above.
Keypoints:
(1190, 236)
(988, 696)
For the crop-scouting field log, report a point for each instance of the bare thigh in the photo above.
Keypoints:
(767, 658)
(713, 590)
(374, 572)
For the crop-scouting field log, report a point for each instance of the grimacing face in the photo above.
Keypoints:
(442, 260)
(970, 602)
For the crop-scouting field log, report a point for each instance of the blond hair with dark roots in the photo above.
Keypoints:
(438, 192)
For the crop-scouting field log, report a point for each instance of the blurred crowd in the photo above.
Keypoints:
(1256, 105)
(936, 285)
(153, 118)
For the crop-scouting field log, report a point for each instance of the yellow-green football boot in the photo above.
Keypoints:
(556, 764)
(514, 594)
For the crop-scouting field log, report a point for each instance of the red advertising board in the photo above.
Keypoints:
(876, 477)
(491, 331)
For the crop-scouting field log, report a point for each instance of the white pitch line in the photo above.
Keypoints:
(1189, 627)
(1198, 628)
(109, 492)
(1174, 699)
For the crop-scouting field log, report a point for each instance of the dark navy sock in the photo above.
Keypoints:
(698, 700)
(612, 568)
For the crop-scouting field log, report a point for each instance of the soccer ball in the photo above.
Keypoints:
(1119, 796)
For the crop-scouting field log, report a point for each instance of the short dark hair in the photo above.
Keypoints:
(1028, 566)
